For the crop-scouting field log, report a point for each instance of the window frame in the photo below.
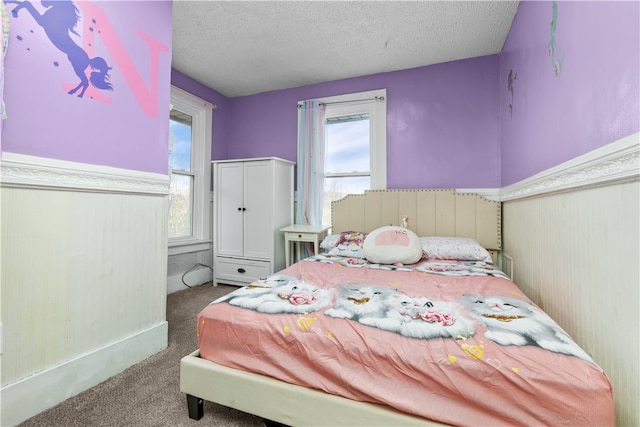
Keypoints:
(350, 104)
(201, 113)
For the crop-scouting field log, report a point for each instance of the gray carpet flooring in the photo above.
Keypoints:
(148, 393)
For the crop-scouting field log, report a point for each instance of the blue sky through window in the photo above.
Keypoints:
(180, 158)
(347, 148)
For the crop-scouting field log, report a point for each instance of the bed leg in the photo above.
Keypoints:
(195, 405)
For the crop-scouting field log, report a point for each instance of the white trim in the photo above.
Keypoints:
(377, 110)
(202, 116)
(21, 170)
(617, 161)
(487, 193)
(27, 397)
(188, 246)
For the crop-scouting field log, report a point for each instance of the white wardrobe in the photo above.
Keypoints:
(253, 199)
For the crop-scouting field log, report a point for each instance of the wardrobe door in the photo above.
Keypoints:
(229, 210)
(258, 216)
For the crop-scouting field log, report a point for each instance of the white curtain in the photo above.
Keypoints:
(310, 175)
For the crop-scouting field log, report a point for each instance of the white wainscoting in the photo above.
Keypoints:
(616, 162)
(574, 235)
(84, 271)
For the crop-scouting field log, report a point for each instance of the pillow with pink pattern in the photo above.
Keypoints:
(349, 244)
(349, 237)
(392, 245)
(458, 248)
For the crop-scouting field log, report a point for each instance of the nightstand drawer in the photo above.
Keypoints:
(301, 237)
(241, 270)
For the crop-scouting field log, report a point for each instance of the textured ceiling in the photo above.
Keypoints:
(246, 47)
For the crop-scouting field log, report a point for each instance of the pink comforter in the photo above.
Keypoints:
(462, 350)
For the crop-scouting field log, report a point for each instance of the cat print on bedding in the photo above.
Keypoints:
(513, 321)
(461, 268)
(259, 287)
(328, 259)
(391, 267)
(360, 302)
(422, 318)
(295, 296)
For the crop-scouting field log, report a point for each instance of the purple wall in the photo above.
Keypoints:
(126, 127)
(593, 99)
(219, 131)
(461, 124)
(458, 124)
(442, 127)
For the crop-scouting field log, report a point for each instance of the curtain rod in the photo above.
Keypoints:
(375, 98)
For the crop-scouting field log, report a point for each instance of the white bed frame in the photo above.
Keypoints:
(429, 213)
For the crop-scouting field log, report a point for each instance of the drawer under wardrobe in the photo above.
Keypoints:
(241, 270)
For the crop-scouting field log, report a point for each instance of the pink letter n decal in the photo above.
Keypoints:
(96, 21)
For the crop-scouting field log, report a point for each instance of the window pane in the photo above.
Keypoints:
(347, 144)
(180, 141)
(337, 188)
(180, 198)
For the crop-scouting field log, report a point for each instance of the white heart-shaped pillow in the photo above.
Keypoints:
(392, 245)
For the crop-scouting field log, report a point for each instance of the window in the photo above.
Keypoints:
(355, 146)
(182, 175)
(190, 121)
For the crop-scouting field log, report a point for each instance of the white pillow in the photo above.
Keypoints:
(459, 248)
(392, 245)
(329, 242)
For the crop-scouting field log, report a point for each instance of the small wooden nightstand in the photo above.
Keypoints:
(298, 233)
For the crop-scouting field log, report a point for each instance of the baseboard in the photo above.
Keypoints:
(193, 278)
(23, 399)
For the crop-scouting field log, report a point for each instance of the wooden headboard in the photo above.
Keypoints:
(430, 213)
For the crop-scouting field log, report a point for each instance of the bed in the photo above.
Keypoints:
(349, 340)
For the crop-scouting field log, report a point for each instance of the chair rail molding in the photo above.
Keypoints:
(615, 162)
(20, 170)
